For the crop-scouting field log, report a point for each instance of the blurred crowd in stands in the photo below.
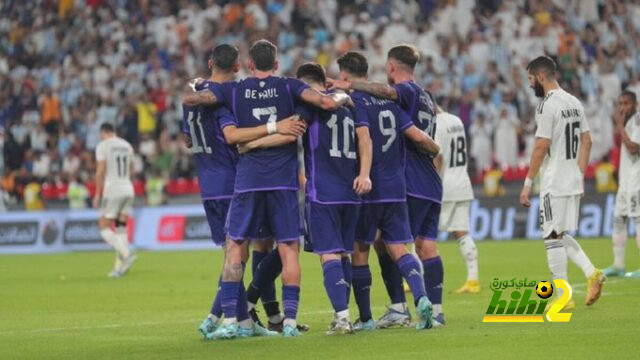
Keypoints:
(68, 66)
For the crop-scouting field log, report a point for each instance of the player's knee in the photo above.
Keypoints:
(396, 251)
(380, 247)
(619, 225)
(426, 249)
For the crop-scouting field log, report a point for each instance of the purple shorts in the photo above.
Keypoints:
(391, 218)
(216, 211)
(331, 228)
(424, 216)
(257, 215)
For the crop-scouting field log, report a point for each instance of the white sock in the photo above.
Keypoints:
(469, 253)
(619, 239)
(415, 255)
(246, 324)
(290, 322)
(344, 314)
(638, 232)
(110, 237)
(122, 238)
(118, 263)
(399, 307)
(557, 260)
(213, 318)
(228, 321)
(437, 309)
(251, 305)
(276, 319)
(577, 255)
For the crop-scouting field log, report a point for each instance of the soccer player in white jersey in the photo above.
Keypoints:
(114, 195)
(561, 154)
(457, 192)
(627, 121)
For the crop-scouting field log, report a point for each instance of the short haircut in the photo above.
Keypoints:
(405, 54)
(630, 94)
(312, 72)
(542, 63)
(353, 63)
(263, 54)
(107, 127)
(224, 56)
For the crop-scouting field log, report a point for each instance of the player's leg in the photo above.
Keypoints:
(619, 236)
(636, 273)
(396, 233)
(397, 313)
(426, 236)
(361, 273)
(109, 211)
(557, 259)
(459, 226)
(262, 249)
(122, 236)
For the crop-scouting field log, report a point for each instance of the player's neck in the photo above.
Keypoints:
(221, 77)
(317, 87)
(550, 87)
(402, 78)
(262, 74)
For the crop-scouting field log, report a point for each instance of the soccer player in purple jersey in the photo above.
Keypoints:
(424, 186)
(337, 166)
(385, 207)
(265, 193)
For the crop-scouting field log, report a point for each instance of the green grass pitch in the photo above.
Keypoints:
(63, 306)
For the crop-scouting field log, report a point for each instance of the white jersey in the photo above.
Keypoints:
(560, 118)
(451, 137)
(629, 172)
(118, 155)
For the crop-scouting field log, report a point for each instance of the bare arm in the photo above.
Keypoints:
(585, 151)
(437, 162)
(274, 140)
(376, 89)
(632, 147)
(362, 183)
(325, 102)
(540, 149)
(422, 140)
(132, 169)
(191, 97)
(100, 170)
(289, 126)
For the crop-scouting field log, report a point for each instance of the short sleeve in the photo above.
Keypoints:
(544, 121)
(584, 123)
(184, 125)
(220, 91)
(225, 118)
(405, 95)
(360, 112)
(634, 134)
(296, 87)
(441, 132)
(100, 152)
(305, 113)
(404, 121)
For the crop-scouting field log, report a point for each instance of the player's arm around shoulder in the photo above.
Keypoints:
(422, 140)
(191, 97)
(380, 90)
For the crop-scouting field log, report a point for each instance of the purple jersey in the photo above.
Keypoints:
(423, 180)
(215, 159)
(330, 155)
(386, 125)
(255, 102)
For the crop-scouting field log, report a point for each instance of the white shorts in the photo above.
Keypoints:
(113, 208)
(627, 204)
(454, 216)
(559, 214)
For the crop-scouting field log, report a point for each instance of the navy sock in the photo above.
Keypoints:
(268, 293)
(290, 301)
(242, 310)
(229, 298)
(347, 271)
(392, 278)
(216, 307)
(361, 281)
(270, 269)
(411, 271)
(334, 284)
(434, 279)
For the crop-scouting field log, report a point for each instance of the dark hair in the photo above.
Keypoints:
(354, 63)
(312, 72)
(542, 63)
(224, 56)
(107, 127)
(630, 94)
(263, 53)
(405, 54)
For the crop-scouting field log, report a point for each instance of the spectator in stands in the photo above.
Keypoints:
(77, 193)
(506, 127)
(481, 139)
(51, 112)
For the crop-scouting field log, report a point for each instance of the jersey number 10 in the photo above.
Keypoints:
(571, 139)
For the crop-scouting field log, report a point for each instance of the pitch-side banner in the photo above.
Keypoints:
(186, 227)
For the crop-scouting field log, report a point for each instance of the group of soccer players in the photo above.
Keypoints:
(372, 177)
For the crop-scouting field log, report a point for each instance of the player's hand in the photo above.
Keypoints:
(524, 196)
(362, 185)
(187, 141)
(244, 148)
(96, 202)
(618, 118)
(350, 103)
(338, 84)
(291, 126)
(195, 82)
